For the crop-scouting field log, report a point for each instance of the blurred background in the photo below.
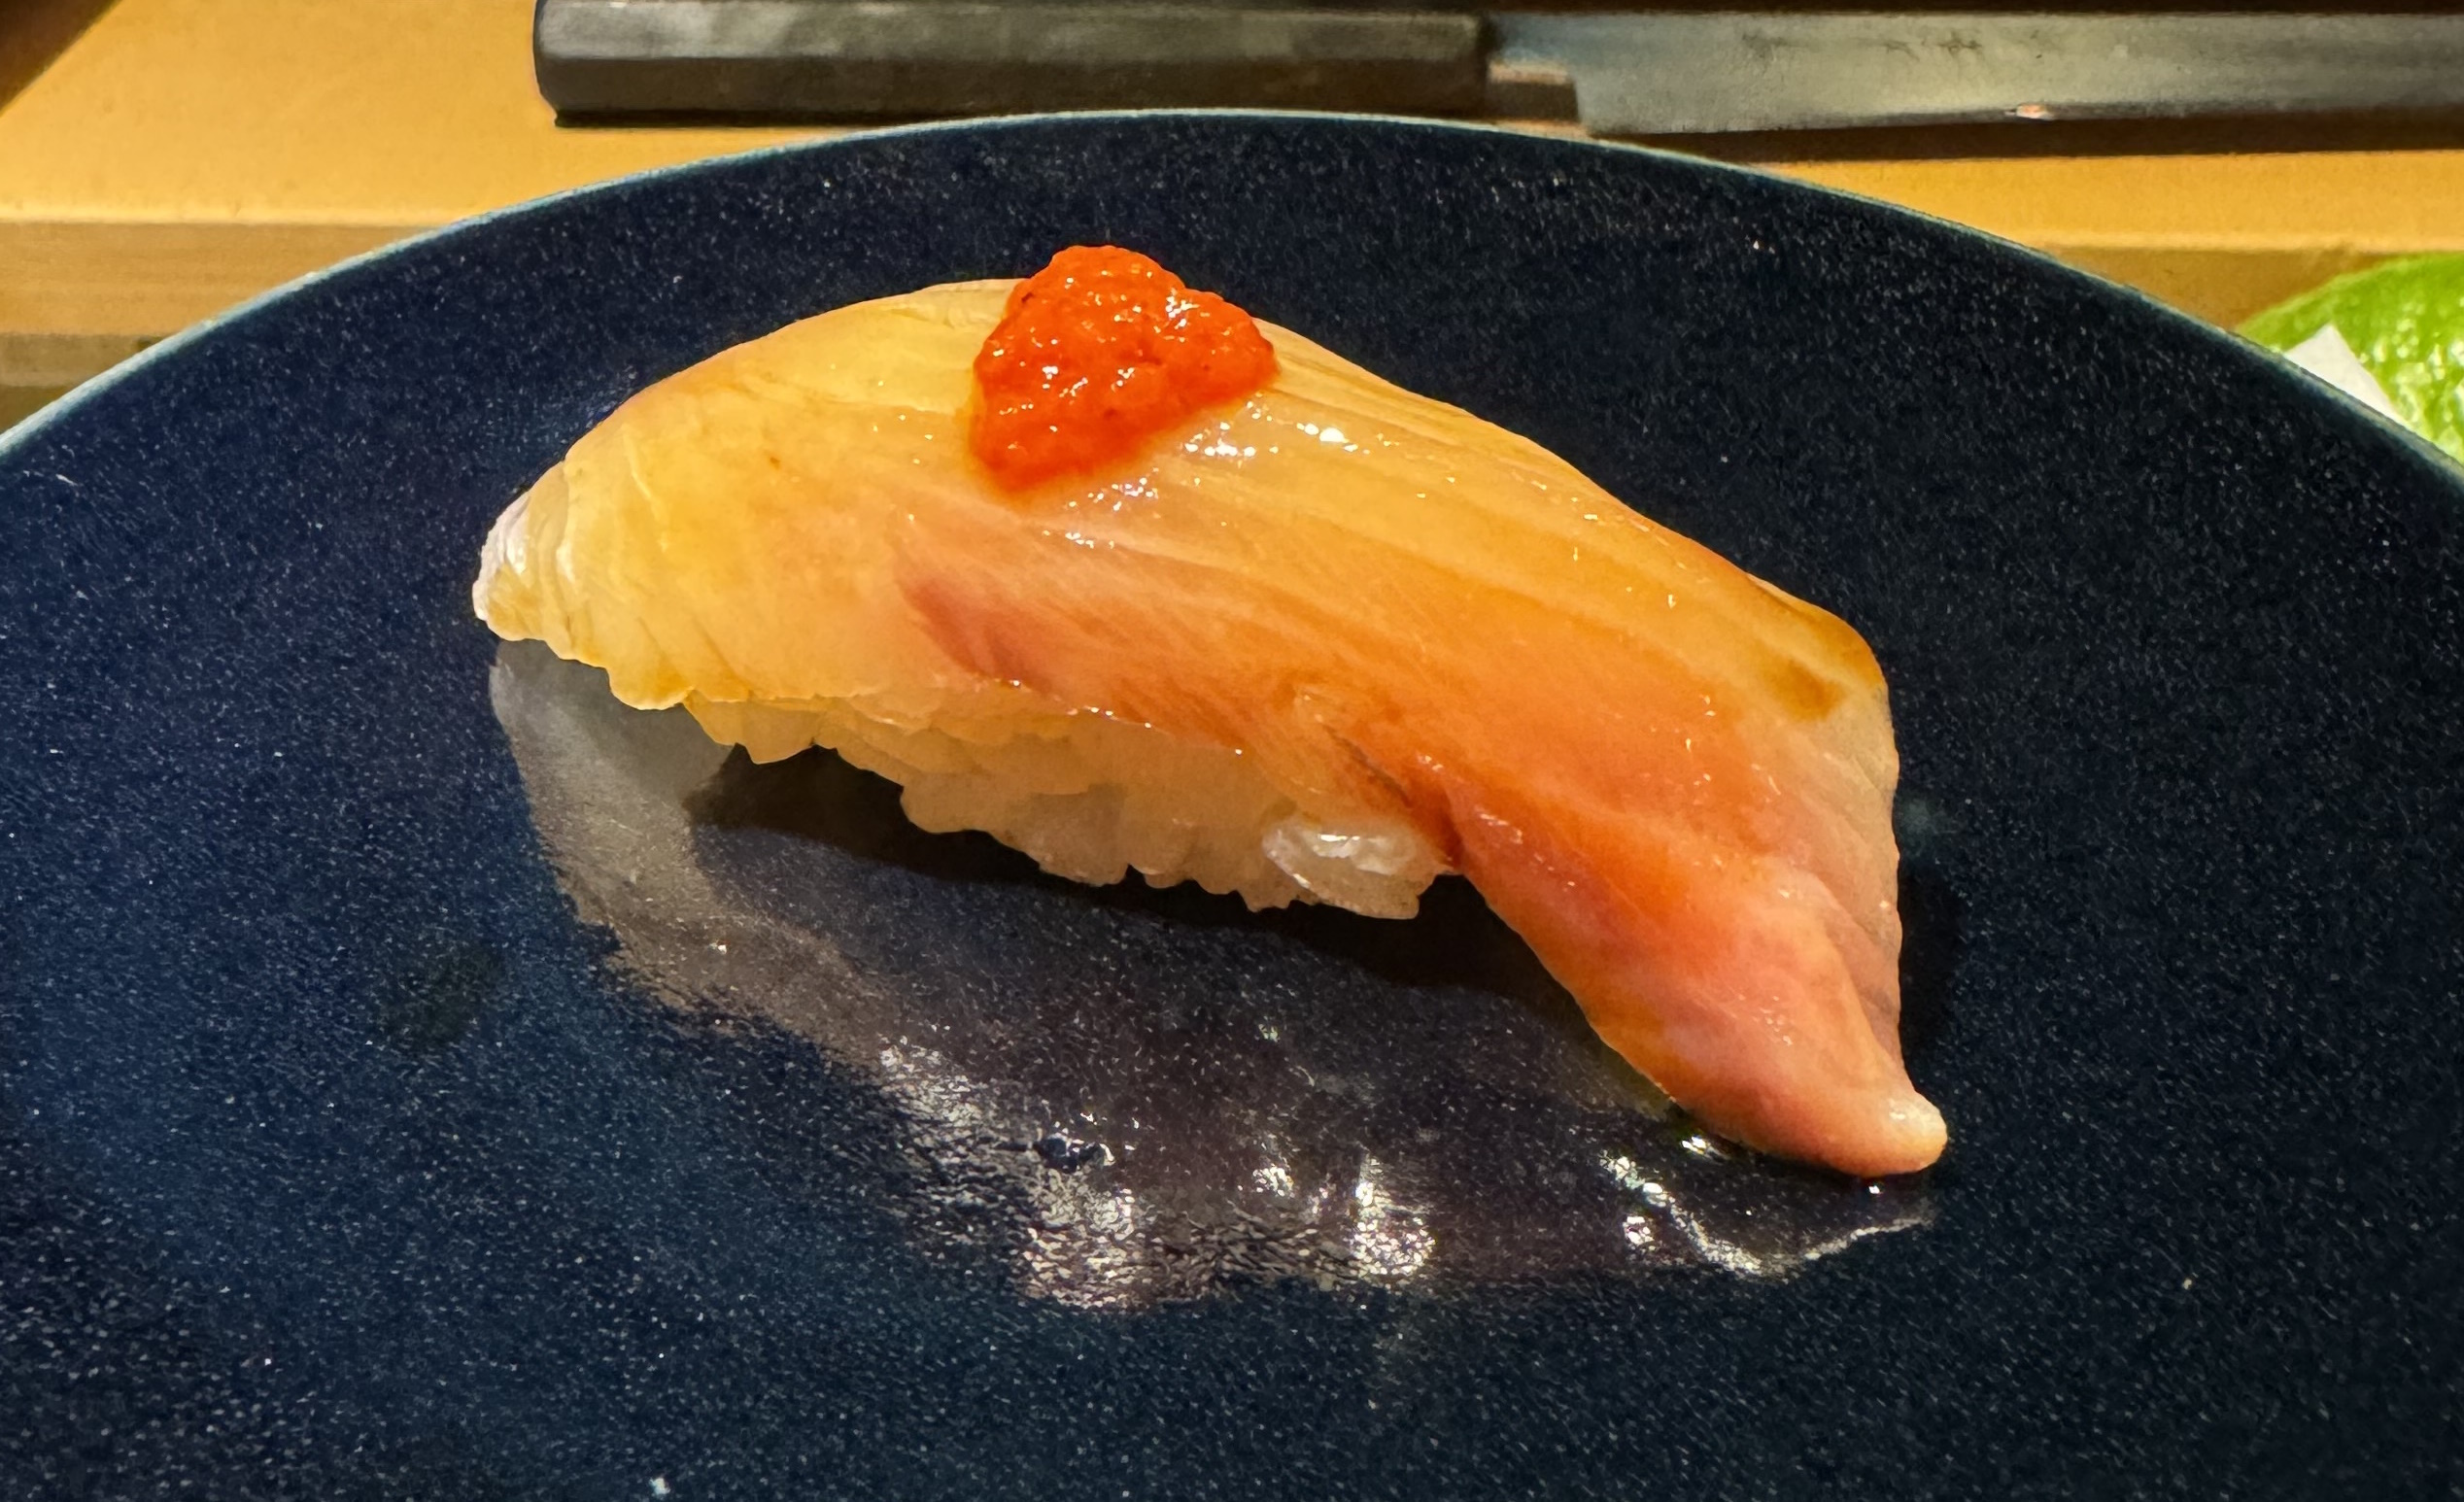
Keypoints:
(163, 159)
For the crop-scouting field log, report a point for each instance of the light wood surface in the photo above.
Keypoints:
(182, 154)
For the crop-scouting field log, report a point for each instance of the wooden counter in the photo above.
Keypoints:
(182, 154)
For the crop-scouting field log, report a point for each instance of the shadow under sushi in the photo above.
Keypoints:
(1140, 1094)
(1455, 939)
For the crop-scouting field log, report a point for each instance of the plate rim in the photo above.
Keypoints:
(32, 427)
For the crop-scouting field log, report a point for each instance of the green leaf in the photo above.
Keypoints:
(2404, 320)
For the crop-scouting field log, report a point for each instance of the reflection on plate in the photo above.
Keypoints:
(1102, 1087)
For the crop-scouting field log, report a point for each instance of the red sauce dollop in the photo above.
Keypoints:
(1098, 351)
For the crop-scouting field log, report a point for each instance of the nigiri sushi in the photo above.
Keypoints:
(1107, 569)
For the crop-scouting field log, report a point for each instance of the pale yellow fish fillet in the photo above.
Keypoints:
(1324, 644)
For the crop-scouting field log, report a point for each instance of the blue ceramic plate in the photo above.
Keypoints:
(420, 1079)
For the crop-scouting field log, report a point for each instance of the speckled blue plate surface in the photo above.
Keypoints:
(348, 1150)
